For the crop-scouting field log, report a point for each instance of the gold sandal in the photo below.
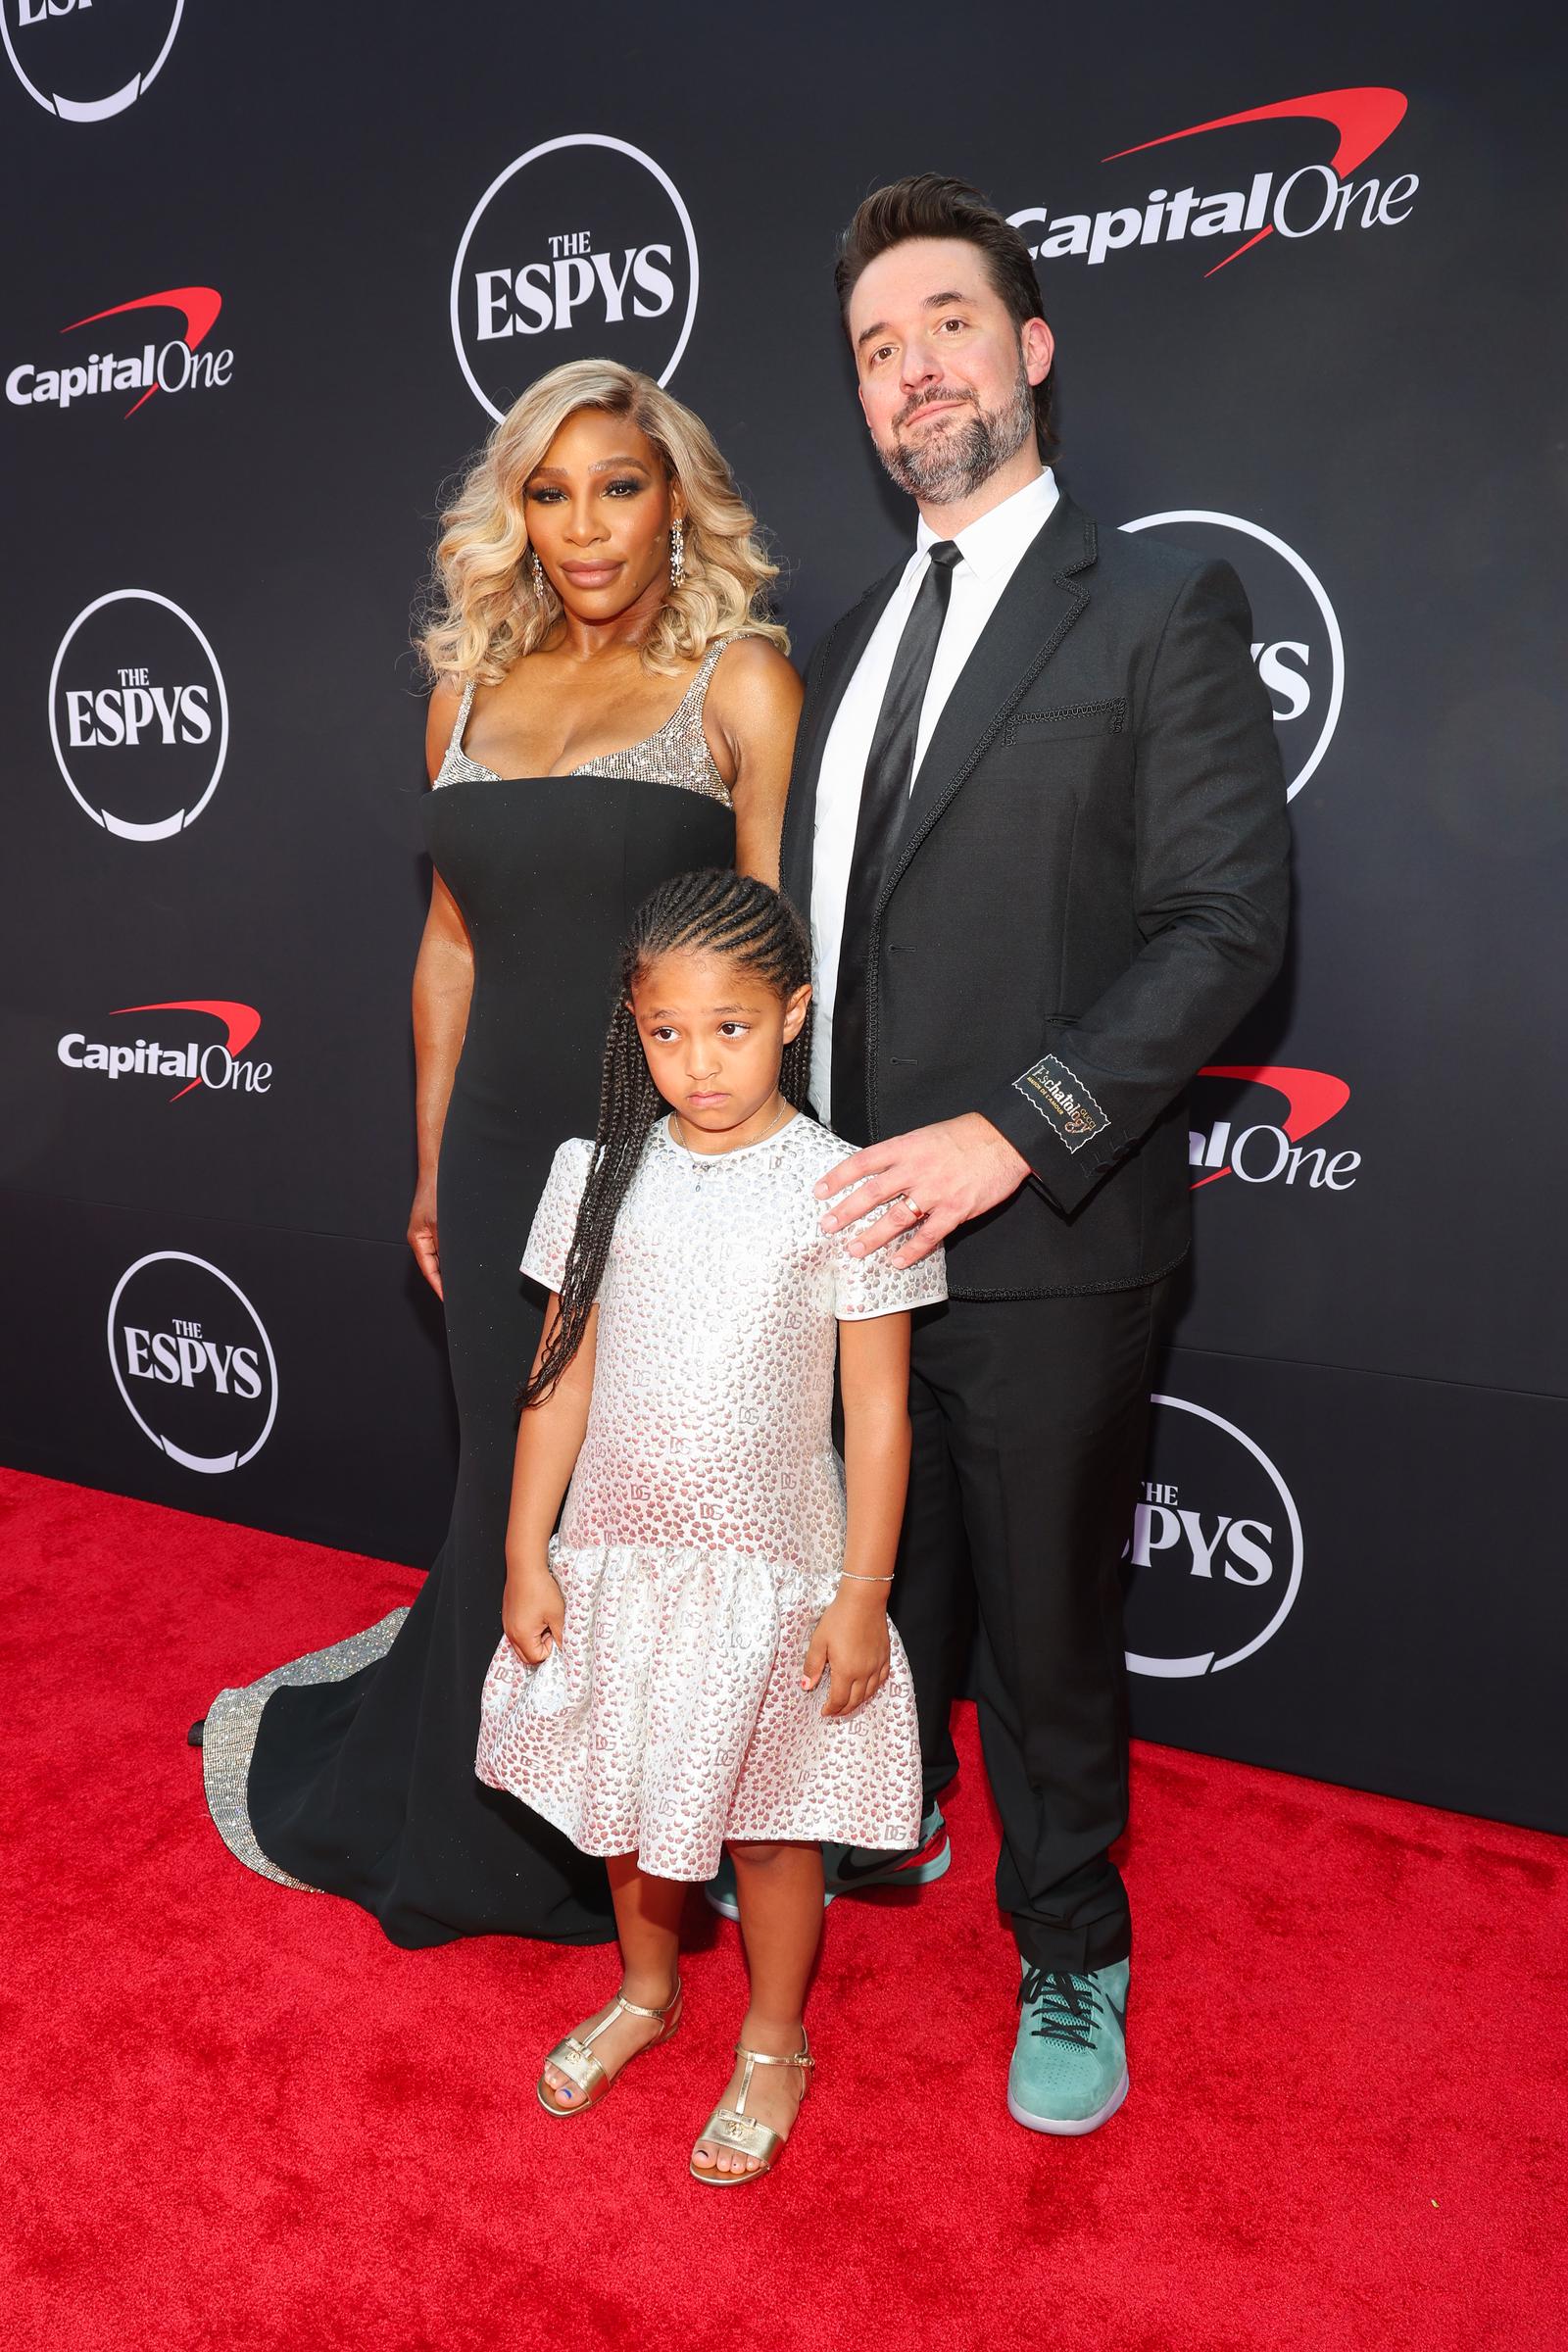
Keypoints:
(738, 2129)
(575, 2057)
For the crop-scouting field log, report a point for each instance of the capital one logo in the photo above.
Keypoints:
(216, 1063)
(192, 1360)
(85, 59)
(164, 362)
(137, 714)
(1297, 643)
(1252, 1122)
(582, 248)
(1314, 197)
(1216, 1549)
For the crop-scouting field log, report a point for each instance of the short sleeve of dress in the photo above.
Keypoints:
(869, 1286)
(554, 1220)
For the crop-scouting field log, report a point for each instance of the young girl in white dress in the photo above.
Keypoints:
(702, 1655)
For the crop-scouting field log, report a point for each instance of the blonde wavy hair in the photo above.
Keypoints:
(484, 611)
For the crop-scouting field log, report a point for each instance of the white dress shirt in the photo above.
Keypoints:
(991, 550)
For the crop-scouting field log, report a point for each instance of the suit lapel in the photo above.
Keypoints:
(1037, 607)
(848, 642)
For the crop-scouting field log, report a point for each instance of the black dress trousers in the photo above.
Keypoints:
(1029, 1421)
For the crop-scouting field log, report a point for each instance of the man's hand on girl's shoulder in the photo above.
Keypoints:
(930, 1181)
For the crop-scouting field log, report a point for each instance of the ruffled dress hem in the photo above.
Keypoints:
(671, 1716)
(894, 1836)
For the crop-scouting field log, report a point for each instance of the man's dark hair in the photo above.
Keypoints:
(927, 205)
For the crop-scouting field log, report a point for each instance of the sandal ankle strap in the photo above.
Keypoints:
(765, 2057)
(635, 2008)
(622, 2007)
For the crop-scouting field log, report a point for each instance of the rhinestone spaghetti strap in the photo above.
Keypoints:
(675, 753)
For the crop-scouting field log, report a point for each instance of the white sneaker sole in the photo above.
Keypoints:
(1073, 2127)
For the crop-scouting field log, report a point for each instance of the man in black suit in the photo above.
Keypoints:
(1037, 820)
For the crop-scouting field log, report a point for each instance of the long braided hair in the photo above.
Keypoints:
(711, 912)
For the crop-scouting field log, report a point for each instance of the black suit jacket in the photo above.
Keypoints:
(1087, 893)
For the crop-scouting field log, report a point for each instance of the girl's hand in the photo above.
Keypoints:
(850, 1640)
(533, 1612)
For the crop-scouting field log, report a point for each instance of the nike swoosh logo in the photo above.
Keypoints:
(849, 1872)
(1120, 2015)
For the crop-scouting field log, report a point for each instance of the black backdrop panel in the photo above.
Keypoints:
(277, 276)
(1334, 1573)
(280, 1379)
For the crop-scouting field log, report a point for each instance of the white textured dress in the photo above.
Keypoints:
(703, 1528)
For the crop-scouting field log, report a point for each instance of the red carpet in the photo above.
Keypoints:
(238, 2118)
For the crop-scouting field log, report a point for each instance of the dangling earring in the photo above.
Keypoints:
(677, 551)
(538, 575)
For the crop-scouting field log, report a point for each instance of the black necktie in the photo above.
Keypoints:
(884, 797)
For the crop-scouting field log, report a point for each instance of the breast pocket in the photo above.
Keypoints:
(1067, 722)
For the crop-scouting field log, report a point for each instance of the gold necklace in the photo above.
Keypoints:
(700, 1159)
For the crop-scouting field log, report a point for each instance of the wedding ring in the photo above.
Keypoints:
(913, 1206)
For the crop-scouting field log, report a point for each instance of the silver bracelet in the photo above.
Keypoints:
(864, 1580)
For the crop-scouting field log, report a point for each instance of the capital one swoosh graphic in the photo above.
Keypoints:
(198, 306)
(1363, 118)
(1311, 1098)
(241, 1023)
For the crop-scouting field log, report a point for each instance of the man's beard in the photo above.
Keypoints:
(951, 464)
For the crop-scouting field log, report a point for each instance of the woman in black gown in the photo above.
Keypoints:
(612, 708)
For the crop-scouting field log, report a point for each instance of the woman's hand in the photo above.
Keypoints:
(533, 1612)
(423, 1237)
(850, 1640)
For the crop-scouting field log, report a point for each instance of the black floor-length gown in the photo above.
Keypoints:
(352, 1770)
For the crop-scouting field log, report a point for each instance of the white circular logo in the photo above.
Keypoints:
(192, 1360)
(1215, 1548)
(580, 249)
(1297, 647)
(86, 63)
(137, 714)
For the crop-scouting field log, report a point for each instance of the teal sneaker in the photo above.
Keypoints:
(851, 1869)
(1069, 2067)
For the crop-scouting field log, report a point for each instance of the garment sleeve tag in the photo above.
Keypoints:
(1062, 1101)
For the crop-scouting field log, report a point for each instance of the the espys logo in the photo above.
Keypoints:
(192, 1360)
(1314, 197)
(85, 59)
(1215, 1548)
(137, 714)
(583, 246)
(1232, 1140)
(173, 363)
(1299, 651)
(215, 1063)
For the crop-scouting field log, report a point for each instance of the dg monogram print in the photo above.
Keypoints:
(703, 1528)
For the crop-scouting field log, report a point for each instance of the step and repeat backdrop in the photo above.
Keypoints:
(273, 275)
